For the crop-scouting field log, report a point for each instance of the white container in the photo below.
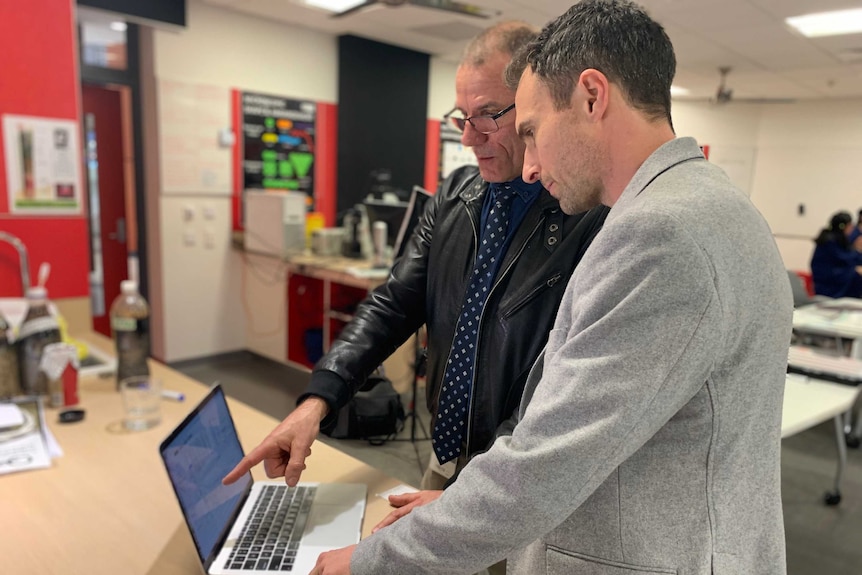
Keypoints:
(274, 222)
(327, 241)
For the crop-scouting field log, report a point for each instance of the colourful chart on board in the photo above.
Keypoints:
(278, 144)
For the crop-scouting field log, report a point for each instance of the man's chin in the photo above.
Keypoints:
(493, 174)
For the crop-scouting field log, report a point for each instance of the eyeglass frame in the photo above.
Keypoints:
(492, 117)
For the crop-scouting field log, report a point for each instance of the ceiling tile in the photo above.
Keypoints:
(750, 36)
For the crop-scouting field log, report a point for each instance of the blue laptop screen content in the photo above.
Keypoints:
(197, 459)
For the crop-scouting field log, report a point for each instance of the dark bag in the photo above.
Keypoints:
(375, 413)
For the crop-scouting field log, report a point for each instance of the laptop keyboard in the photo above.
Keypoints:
(271, 535)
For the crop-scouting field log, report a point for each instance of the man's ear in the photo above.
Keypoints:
(594, 86)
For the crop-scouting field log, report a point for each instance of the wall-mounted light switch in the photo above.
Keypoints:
(188, 212)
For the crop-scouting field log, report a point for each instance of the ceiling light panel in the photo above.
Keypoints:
(334, 5)
(828, 23)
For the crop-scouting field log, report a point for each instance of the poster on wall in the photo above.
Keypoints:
(278, 144)
(453, 154)
(42, 165)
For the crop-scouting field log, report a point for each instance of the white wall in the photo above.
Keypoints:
(808, 154)
(784, 156)
(730, 131)
(204, 289)
(226, 48)
(441, 88)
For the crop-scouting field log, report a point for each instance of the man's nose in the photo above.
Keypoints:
(471, 136)
(531, 173)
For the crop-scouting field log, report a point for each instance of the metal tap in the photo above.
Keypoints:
(24, 261)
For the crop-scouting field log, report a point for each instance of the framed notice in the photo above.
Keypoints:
(278, 144)
(43, 168)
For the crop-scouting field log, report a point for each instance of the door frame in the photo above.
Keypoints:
(130, 78)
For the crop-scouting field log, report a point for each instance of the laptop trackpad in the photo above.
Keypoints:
(333, 525)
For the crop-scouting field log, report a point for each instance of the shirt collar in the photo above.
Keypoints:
(524, 190)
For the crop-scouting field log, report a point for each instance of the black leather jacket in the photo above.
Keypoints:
(427, 285)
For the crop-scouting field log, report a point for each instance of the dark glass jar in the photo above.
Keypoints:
(38, 329)
(10, 384)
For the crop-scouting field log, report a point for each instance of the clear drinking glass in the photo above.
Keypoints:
(142, 396)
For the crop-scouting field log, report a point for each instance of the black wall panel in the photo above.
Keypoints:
(167, 11)
(382, 109)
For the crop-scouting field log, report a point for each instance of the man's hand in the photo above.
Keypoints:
(406, 503)
(284, 450)
(334, 562)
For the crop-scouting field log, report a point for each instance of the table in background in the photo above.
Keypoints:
(840, 319)
(106, 506)
(809, 402)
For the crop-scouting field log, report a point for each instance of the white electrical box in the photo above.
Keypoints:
(274, 222)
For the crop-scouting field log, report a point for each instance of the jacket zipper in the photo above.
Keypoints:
(549, 283)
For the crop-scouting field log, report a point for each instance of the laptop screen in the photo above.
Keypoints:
(415, 207)
(197, 455)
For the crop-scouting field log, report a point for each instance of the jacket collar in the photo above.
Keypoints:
(475, 189)
(667, 156)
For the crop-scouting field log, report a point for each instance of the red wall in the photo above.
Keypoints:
(39, 77)
(432, 155)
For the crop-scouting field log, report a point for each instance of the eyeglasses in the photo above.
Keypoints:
(484, 124)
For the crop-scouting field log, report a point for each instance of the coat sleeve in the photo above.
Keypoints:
(634, 341)
(386, 318)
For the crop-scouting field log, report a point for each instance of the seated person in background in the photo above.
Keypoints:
(856, 232)
(836, 266)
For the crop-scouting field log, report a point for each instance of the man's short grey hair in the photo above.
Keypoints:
(615, 37)
(502, 38)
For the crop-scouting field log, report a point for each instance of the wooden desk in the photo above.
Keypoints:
(106, 505)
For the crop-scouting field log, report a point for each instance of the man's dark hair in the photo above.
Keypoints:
(615, 37)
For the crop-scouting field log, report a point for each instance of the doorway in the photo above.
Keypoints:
(112, 220)
(111, 117)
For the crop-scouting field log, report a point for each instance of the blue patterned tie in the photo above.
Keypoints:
(458, 380)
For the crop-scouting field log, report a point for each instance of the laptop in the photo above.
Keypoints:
(252, 527)
(418, 198)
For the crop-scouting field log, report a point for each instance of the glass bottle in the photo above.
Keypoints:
(38, 329)
(9, 376)
(131, 327)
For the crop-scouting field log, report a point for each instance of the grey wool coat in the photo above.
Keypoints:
(649, 434)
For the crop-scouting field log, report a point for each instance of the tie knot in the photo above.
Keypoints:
(503, 194)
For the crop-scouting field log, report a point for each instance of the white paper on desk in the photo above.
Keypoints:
(26, 448)
(54, 449)
(397, 490)
(25, 452)
(10, 416)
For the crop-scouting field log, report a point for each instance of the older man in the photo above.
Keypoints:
(649, 440)
(484, 271)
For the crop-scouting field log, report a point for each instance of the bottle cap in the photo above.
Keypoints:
(129, 287)
(37, 292)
